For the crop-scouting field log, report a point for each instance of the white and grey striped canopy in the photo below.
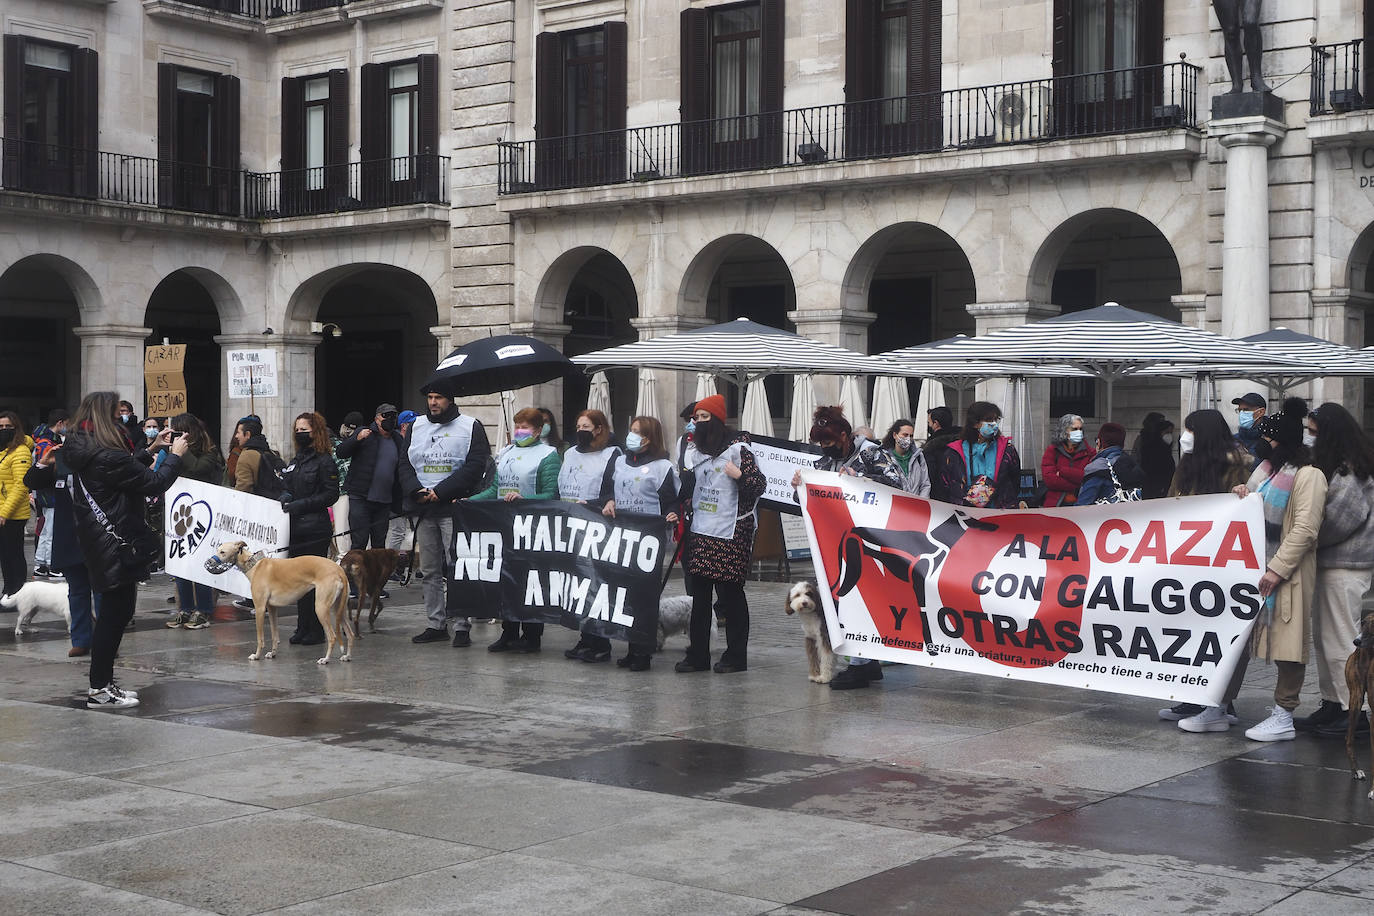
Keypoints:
(1323, 358)
(943, 359)
(739, 351)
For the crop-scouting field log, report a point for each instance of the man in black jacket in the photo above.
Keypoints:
(373, 484)
(941, 430)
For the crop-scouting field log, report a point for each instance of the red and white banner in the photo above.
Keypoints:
(1152, 598)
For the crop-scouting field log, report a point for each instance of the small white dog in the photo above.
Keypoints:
(804, 601)
(35, 597)
(674, 614)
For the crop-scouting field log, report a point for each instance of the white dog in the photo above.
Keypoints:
(35, 597)
(673, 616)
(804, 601)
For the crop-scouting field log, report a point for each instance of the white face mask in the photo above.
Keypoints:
(1168, 438)
(1185, 442)
(1075, 436)
(1309, 440)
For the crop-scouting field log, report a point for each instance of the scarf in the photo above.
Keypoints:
(982, 462)
(1275, 492)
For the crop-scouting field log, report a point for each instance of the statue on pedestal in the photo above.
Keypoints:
(1240, 24)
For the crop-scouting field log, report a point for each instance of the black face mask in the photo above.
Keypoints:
(584, 438)
(388, 424)
(930, 431)
(6, 437)
(832, 452)
(303, 440)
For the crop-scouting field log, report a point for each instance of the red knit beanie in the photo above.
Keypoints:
(714, 405)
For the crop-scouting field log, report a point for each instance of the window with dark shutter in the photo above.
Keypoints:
(400, 131)
(892, 69)
(51, 118)
(1106, 58)
(695, 25)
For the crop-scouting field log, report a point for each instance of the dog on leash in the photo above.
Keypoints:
(368, 571)
(1359, 678)
(674, 615)
(34, 597)
(804, 601)
(278, 583)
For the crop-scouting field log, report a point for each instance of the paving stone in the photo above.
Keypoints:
(45, 894)
(1302, 791)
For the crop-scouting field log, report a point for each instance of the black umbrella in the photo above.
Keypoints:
(501, 363)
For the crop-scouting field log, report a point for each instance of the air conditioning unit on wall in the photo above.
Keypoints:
(1022, 114)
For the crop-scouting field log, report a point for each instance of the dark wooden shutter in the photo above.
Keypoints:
(225, 155)
(861, 115)
(696, 89)
(548, 83)
(427, 163)
(1149, 97)
(292, 123)
(1150, 34)
(617, 101)
(372, 135)
(772, 30)
(85, 131)
(924, 107)
(336, 139)
(14, 106)
(166, 135)
(1061, 39)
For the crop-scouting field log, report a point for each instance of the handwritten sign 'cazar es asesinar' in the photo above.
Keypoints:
(164, 382)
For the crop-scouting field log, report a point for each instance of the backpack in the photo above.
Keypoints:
(270, 482)
(1119, 493)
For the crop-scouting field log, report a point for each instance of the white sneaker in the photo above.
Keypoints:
(1278, 727)
(109, 697)
(1211, 719)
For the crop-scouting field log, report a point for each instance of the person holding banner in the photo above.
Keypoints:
(1345, 560)
(900, 445)
(525, 469)
(109, 483)
(724, 487)
(645, 483)
(587, 476)
(310, 485)
(203, 462)
(1064, 461)
(1294, 495)
(982, 468)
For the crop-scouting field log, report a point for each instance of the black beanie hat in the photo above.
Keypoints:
(1285, 427)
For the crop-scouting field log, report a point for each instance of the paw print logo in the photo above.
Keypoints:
(182, 523)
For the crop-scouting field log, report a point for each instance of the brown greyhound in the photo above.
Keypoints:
(278, 583)
(368, 570)
(1359, 677)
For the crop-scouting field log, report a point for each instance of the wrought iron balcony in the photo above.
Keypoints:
(1339, 80)
(1034, 111)
(263, 9)
(98, 175)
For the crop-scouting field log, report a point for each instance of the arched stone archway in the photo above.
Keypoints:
(43, 299)
(189, 306)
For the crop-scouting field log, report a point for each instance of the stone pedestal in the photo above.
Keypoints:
(1339, 315)
(675, 389)
(1246, 136)
(842, 327)
(996, 316)
(1192, 308)
(296, 383)
(112, 360)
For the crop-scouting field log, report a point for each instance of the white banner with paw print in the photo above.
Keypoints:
(198, 517)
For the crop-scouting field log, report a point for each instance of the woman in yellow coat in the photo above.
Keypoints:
(16, 455)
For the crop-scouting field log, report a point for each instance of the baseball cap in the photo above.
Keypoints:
(1250, 399)
(407, 416)
(384, 409)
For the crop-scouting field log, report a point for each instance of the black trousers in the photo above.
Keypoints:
(307, 624)
(367, 521)
(116, 610)
(13, 565)
(733, 606)
(514, 629)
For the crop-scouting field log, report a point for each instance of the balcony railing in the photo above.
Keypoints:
(1339, 80)
(1086, 105)
(61, 171)
(263, 9)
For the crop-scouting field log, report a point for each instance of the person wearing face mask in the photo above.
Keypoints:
(900, 445)
(374, 482)
(1154, 452)
(1064, 461)
(1250, 409)
(1344, 453)
(45, 498)
(310, 485)
(201, 461)
(231, 457)
(1293, 493)
(1113, 467)
(128, 417)
(941, 430)
(724, 486)
(16, 457)
(982, 468)
(351, 422)
(444, 460)
(587, 476)
(525, 469)
(644, 482)
(548, 432)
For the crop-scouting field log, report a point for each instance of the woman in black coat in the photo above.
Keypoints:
(109, 483)
(310, 485)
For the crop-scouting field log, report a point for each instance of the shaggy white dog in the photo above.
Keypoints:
(674, 613)
(804, 601)
(35, 597)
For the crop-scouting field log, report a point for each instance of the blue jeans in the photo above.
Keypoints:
(81, 601)
(193, 596)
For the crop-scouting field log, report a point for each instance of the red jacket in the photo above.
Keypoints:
(1062, 471)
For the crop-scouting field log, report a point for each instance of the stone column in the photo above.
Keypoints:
(112, 360)
(1192, 309)
(487, 408)
(1338, 315)
(296, 382)
(995, 316)
(842, 327)
(675, 389)
(1246, 125)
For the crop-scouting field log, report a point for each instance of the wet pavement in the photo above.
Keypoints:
(429, 779)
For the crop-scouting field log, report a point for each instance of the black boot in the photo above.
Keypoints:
(510, 633)
(1329, 711)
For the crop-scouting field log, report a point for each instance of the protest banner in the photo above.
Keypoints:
(558, 562)
(164, 380)
(1153, 598)
(778, 460)
(252, 373)
(198, 517)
